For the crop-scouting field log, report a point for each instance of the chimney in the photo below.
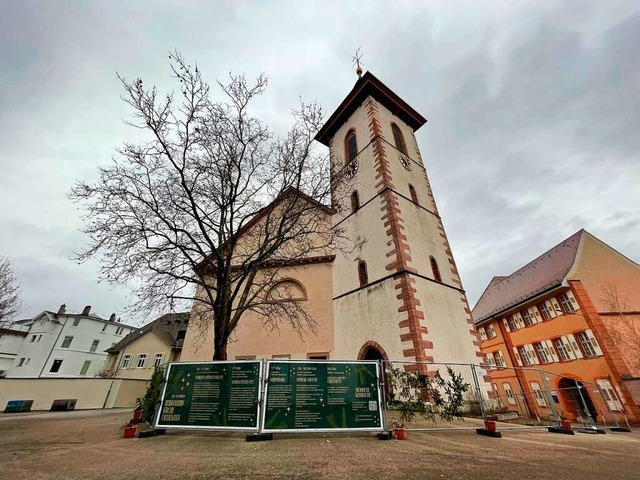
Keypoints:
(62, 309)
(86, 310)
(112, 318)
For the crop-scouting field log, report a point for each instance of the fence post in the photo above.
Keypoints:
(478, 391)
(552, 403)
(383, 396)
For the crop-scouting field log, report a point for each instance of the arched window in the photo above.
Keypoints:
(362, 273)
(435, 269)
(398, 138)
(355, 201)
(350, 146)
(286, 291)
(414, 196)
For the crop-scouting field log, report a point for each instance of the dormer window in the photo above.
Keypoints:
(351, 146)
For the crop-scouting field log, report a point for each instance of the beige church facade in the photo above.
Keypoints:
(397, 295)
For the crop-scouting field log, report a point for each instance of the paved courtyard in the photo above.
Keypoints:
(90, 445)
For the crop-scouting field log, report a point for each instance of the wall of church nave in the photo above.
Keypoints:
(368, 315)
(446, 322)
(254, 337)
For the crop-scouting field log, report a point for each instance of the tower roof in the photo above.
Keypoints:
(367, 85)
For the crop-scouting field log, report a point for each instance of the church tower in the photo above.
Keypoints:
(397, 295)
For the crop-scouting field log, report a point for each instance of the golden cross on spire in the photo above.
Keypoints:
(356, 61)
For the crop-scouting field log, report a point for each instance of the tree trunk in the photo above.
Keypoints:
(220, 350)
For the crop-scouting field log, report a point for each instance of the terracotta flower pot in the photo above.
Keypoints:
(130, 430)
(399, 432)
(566, 424)
(490, 425)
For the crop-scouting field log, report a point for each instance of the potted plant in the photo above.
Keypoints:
(137, 411)
(398, 429)
(130, 429)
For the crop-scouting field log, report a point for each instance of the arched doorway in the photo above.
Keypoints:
(575, 398)
(374, 351)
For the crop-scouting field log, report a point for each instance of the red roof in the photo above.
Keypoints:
(545, 272)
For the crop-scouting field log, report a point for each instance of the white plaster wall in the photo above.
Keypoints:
(10, 345)
(371, 314)
(446, 321)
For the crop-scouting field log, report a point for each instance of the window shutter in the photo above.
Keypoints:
(574, 345)
(517, 355)
(518, 318)
(565, 340)
(550, 306)
(532, 354)
(533, 314)
(572, 299)
(501, 357)
(556, 306)
(506, 324)
(594, 342)
(552, 351)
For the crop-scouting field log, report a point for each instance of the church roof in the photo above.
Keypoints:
(545, 272)
(367, 85)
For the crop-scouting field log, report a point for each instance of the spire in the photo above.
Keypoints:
(356, 61)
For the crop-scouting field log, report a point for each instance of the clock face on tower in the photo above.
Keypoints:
(404, 160)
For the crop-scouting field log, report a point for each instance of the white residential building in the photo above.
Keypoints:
(66, 345)
(11, 339)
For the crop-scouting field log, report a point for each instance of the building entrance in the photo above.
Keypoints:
(576, 399)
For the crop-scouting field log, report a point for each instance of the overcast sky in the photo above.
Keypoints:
(533, 109)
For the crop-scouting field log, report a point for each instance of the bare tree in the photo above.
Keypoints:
(624, 327)
(10, 303)
(211, 205)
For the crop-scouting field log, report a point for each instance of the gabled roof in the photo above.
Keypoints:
(367, 85)
(165, 327)
(545, 272)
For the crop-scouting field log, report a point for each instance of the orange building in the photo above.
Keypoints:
(565, 330)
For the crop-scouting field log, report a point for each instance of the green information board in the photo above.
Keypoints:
(211, 395)
(322, 396)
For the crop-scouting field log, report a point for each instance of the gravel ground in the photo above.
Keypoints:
(85, 444)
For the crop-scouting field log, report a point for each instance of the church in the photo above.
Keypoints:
(398, 296)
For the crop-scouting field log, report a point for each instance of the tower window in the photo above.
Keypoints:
(355, 201)
(398, 138)
(362, 273)
(435, 269)
(414, 196)
(351, 146)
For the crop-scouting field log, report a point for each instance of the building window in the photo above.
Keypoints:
(489, 360)
(288, 290)
(66, 343)
(561, 348)
(362, 273)
(94, 345)
(245, 357)
(21, 362)
(524, 355)
(542, 354)
(398, 138)
(142, 360)
(355, 201)
(586, 345)
(435, 269)
(483, 333)
(565, 303)
(32, 339)
(491, 332)
(545, 311)
(38, 339)
(181, 334)
(85, 367)
(527, 317)
(158, 360)
(511, 321)
(282, 356)
(119, 330)
(351, 146)
(126, 361)
(55, 366)
(537, 393)
(318, 356)
(511, 399)
(500, 359)
(414, 195)
(104, 328)
(76, 321)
